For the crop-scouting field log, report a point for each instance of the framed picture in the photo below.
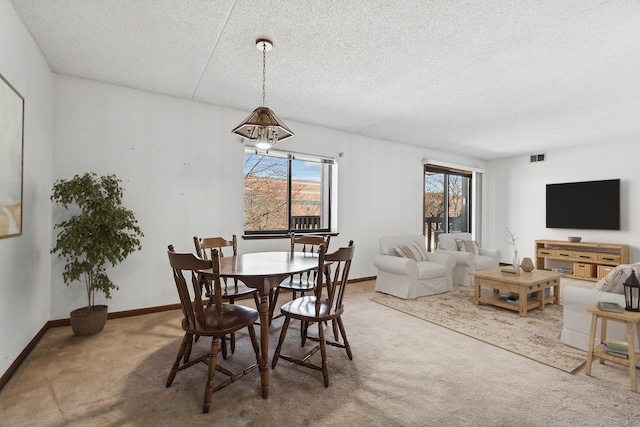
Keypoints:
(11, 154)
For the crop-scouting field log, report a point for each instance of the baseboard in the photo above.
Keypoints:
(22, 356)
(120, 314)
(362, 279)
(115, 315)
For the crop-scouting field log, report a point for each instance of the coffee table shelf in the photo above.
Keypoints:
(493, 298)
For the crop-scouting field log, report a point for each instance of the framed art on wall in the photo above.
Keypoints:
(11, 159)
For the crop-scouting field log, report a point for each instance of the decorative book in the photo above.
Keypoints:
(616, 348)
(617, 345)
(511, 270)
(610, 306)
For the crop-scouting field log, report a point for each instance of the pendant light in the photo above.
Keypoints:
(263, 127)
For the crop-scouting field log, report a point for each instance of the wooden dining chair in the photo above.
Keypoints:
(215, 320)
(303, 282)
(230, 291)
(324, 306)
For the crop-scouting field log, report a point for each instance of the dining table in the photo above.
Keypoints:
(264, 271)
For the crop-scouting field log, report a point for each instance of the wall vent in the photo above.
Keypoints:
(537, 158)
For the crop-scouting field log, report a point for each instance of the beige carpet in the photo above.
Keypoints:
(405, 372)
(534, 336)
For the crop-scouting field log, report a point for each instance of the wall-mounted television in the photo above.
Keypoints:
(588, 205)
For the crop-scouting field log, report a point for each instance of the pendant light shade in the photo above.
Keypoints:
(263, 127)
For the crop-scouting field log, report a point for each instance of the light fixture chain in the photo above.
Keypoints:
(264, 72)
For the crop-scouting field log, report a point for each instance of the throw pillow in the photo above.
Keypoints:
(614, 281)
(468, 246)
(411, 250)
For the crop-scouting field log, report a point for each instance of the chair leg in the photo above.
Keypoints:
(223, 347)
(304, 328)
(323, 354)
(344, 338)
(273, 299)
(233, 342)
(232, 335)
(187, 352)
(208, 390)
(256, 300)
(186, 341)
(254, 342)
(335, 329)
(283, 333)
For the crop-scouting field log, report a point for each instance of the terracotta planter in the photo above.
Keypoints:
(85, 321)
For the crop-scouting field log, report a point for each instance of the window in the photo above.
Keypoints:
(447, 202)
(287, 192)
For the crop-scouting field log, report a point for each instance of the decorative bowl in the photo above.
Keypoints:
(574, 238)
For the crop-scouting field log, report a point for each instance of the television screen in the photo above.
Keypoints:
(591, 205)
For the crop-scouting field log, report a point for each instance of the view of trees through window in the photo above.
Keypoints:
(283, 194)
(446, 203)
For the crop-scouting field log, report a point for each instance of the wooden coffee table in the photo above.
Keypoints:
(530, 288)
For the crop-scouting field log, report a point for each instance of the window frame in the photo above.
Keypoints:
(328, 185)
(448, 171)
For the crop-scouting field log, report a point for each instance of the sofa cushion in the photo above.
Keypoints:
(614, 280)
(470, 246)
(411, 250)
(429, 270)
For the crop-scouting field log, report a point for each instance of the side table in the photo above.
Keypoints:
(629, 318)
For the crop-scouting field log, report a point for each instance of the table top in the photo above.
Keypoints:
(265, 264)
(625, 316)
(523, 278)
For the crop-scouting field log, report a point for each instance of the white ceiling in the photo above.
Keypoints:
(488, 79)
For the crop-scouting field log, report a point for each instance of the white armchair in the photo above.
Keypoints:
(467, 262)
(407, 278)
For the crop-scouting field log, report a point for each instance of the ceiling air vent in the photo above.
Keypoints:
(536, 158)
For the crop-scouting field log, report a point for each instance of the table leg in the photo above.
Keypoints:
(264, 343)
(556, 293)
(603, 334)
(541, 298)
(592, 338)
(476, 291)
(522, 302)
(632, 357)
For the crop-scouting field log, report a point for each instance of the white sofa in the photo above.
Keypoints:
(467, 262)
(407, 278)
(577, 320)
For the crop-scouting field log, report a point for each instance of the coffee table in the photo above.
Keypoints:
(530, 288)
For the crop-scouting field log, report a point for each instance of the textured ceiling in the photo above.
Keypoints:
(487, 79)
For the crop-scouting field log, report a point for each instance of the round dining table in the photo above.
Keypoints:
(265, 271)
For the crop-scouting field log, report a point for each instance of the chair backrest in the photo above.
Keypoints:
(336, 267)
(387, 244)
(187, 264)
(309, 243)
(206, 243)
(447, 241)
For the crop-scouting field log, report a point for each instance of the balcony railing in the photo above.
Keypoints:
(311, 222)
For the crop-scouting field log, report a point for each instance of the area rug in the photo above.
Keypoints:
(534, 336)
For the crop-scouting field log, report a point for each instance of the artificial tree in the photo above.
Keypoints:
(103, 232)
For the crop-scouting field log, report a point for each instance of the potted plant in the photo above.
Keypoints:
(101, 232)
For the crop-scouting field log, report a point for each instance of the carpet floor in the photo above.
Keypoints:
(405, 372)
(535, 336)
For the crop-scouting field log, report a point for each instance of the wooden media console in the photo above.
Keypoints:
(587, 261)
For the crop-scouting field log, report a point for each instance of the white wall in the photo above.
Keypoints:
(515, 195)
(182, 170)
(25, 263)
